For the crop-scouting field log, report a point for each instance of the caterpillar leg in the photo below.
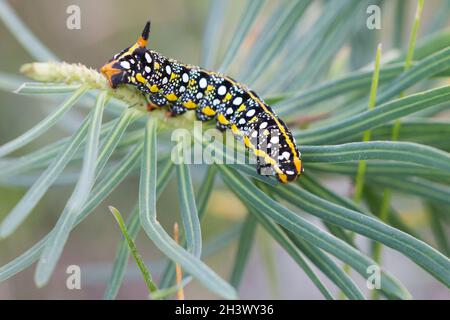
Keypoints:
(157, 100)
(151, 106)
(176, 109)
(202, 116)
(221, 127)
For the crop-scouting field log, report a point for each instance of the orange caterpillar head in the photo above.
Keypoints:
(121, 68)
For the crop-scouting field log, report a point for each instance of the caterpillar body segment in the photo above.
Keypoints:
(211, 95)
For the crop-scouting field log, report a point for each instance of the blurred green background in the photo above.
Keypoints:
(108, 26)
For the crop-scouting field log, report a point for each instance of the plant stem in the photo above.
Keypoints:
(178, 270)
(360, 175)
(361, 171)
(387, 193)
(137, 257)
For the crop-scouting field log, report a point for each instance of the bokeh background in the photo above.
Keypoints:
(108, 26)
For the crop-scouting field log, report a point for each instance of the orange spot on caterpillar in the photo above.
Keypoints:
(190, 104)
(171, 97)
(208, 111)
(142, 42)
(108, 70)
(222, 120)
(154, 88)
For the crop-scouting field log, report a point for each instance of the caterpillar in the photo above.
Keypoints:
(212, 95)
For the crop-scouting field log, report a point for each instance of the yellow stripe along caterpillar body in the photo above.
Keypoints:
(180, 87)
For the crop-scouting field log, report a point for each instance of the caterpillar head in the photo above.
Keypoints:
(123, 65)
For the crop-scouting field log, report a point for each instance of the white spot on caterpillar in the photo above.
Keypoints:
(148, 57)
(203, 83)
(229, 110)
(237, 101)
(216, 102)
(165, 80)
(199, 95)
(125, 64)
(222, 90)
(263, 125)
(168, 70)
(274, 139)
(250, 113)
(185, 77)
(182, 89)
(147, 69)
(285, 155)
(241, 121)
(289, 172)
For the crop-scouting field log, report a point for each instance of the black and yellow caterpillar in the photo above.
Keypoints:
(180, 87)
